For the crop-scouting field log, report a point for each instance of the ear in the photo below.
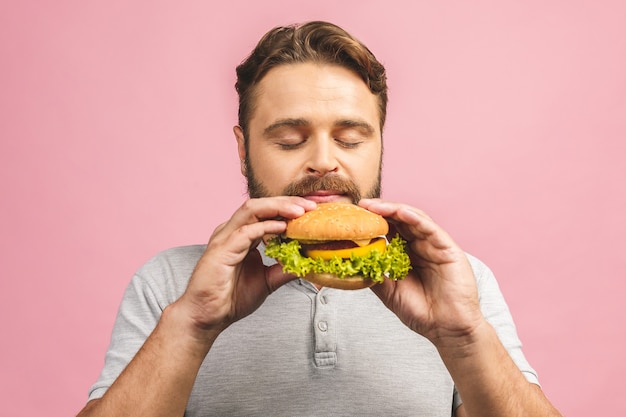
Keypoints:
(241, 148)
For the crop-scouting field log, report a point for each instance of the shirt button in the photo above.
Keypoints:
(323, 299)
(322, 325)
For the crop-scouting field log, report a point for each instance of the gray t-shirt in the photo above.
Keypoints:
(304, 352)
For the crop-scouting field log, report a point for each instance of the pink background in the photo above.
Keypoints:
(507, 123)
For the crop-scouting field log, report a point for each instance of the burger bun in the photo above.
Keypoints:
(333, 281)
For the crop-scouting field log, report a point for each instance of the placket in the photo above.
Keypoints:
(324, 329)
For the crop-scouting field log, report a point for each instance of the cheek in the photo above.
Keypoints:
(368, 161)
(369, 167)
(275, 173)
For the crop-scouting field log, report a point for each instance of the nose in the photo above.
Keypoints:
(322, 159)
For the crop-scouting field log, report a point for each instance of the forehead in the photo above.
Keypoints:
(316, 92)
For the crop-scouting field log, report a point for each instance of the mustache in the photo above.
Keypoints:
(336, 183)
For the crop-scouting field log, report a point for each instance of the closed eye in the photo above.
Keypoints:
(287, 145)
(348, 144)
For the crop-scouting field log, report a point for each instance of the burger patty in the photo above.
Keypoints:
(328, 245)
(332, 245)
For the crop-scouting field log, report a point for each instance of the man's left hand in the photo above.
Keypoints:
(439, 298)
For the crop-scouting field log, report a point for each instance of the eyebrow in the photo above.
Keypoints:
(299, 122)
(356, 124)
(285, 123)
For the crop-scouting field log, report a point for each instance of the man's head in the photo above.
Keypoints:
(312, 102)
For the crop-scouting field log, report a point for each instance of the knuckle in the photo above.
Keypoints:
(246, 230)
(248, 205)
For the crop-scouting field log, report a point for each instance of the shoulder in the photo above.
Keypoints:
(167, 273)
(485, 279)
(481, 270)
(174, 259)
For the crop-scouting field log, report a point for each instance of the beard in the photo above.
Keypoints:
(311, 184)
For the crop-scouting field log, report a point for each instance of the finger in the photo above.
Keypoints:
(275, 277)
(427, 240)
(256, 210)
(382, 207)
(233, 246)
(411, 222)
(420, 225)
(242, 238)
(384, 290)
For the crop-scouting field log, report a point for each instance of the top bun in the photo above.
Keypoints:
(337, 221)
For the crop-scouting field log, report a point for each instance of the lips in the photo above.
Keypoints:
(326, 196)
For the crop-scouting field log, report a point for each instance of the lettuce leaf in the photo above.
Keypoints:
(394, 263)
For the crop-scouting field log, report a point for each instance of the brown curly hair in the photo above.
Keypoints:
(318, 42)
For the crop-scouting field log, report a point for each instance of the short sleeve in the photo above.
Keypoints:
(497, 313)
(156, 284)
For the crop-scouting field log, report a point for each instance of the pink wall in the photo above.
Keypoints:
(507, 124)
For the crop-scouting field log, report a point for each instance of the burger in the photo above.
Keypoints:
(340, 245)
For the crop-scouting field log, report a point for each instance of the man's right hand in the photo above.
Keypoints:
(228, 283)
(230, 280)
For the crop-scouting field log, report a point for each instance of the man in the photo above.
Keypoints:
(221, 330)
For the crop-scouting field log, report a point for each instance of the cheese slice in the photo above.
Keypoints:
(378, 244)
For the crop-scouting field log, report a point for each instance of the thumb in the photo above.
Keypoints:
(384, 290)
(276, 278)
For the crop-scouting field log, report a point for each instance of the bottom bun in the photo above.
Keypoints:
(333, 281)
